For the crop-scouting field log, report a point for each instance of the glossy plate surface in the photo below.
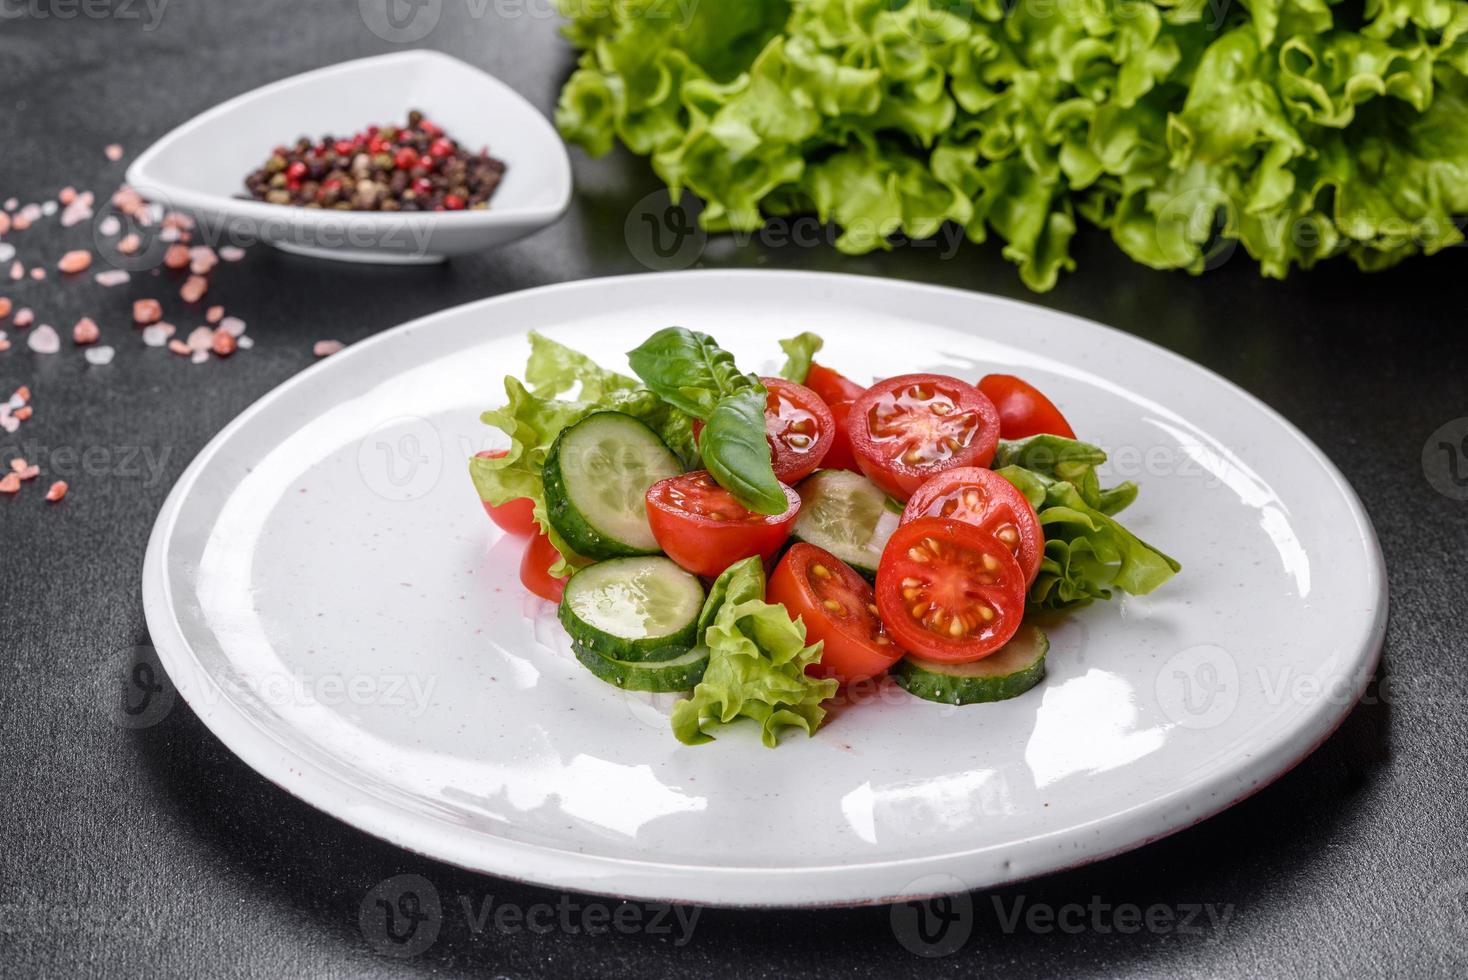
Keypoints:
(327, 594)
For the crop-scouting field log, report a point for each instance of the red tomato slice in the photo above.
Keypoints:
(799, 428)
(1023, 411)
(704, 529)
(838, 608)
(831, 386)
(515, 516)
(905, 429)
(535, 574)
(988, 501)
(838, 392)
(949, 591)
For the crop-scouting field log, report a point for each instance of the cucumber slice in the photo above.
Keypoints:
(1007, 672)
(847, 515)
(682, 673)
(596, 479)
(633, 609)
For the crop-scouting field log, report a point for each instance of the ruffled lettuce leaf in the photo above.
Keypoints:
(799, 351)
(532, 417)
(1070, 460)
(1295, 130)
(756, 669)
(1088, 554)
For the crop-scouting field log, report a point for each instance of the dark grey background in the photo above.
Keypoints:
(132, 851)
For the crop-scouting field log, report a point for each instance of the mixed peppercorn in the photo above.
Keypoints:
(383, 168)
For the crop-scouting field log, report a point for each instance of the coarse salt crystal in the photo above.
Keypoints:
(78, 261)
(44, 340)
(231, 253)
(7, 251)
(194, 289)
(76, 212)
(109, 225)
(19, 464)
(56, 491)
(129, 244)
(38, 273)
(112, 277)
(49, 208)
(100, 355)
(10, 483)
(325, 348)
(200, 338)
(146, 311)
(17, 271)
(85, 331)
(30, 472)
(232, 325)
(5, 306)
(179, 347)
(113, 152)
(223, 343)
(11, 203)
(23, 318)
(199, 356)
(212, 315)
(155, 335)
(245, 343)
(9, 423)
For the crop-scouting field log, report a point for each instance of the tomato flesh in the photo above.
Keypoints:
(515, 516)
(908, 428)
(799, 428)
(949, 591)
(704, 529)
(535, 574)
(832, 386)
(1023, 410)
(839, 609)
(986, 500)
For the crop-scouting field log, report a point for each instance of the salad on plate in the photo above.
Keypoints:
(761, 542)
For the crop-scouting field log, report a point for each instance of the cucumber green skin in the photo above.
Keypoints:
(642, 677)
(947, 689)
(568, 521)
(620, 647)
(870, 574)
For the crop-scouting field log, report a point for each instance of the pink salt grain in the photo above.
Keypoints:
(10, 483)
(325, 348)
(74, 262)
(194, 289)
(179, 347)
(146, 311)
(112, 277)
(24, 317)
(213, 315)
(85, 331)
(113, 152)
(56, 491)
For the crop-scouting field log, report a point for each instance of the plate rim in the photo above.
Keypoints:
(715, 885)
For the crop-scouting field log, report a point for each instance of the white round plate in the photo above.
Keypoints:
(330, 599)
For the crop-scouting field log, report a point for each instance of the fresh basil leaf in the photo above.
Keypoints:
(799, 351)
(737, 454)
(689, 369)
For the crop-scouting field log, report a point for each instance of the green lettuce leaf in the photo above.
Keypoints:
(532, 420)
(757, 661)
(1292, 130)
(799, 351)
(1070, 460)
(1088, 554)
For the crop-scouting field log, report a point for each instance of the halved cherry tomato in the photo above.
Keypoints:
(1023, 411)
(949, 591)
(907, 428)
(535, 574)
(988, 501)
(515, 516)
(704, 529)
(838, 392)
(799, 427)
(838, 608)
